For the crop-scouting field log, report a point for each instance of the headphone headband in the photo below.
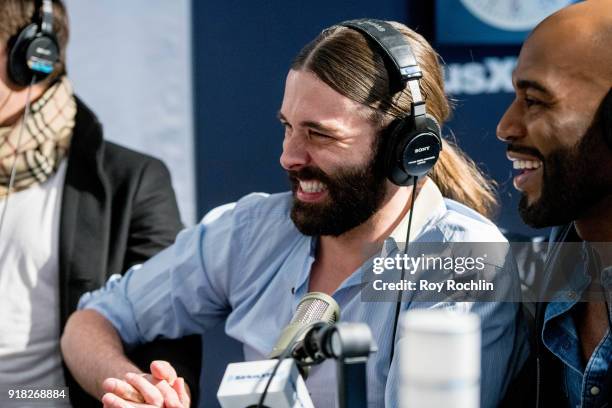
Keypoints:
(395, 48)
(414, 141)
(398, 53)
(46, 16)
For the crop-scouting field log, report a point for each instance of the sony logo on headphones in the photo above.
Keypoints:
(43, 51)
(375, 25)
(421, 149)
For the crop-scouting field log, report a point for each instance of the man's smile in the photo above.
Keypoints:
(530, 171)
(311, 191)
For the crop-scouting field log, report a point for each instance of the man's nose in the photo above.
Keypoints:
(295, 153)
(510, 126)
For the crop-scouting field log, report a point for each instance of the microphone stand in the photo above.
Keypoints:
(351, 372)
(350, 344)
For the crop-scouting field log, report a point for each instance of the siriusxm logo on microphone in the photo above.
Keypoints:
(421, 149)
(247, 377)
(243, 385)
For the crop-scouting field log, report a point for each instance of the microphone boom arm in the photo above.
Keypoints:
(350, 344)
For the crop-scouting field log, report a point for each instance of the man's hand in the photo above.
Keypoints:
(161, 388)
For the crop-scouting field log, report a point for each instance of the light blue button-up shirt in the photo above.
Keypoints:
(241, 262)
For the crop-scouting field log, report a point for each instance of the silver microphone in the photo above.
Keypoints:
(313, 308)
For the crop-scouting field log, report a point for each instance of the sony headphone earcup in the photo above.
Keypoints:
(413, 149)
(606, 118)
(18, 70)
(31, 53)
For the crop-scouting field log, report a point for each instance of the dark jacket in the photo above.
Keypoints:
(540, 382)
(118, 209)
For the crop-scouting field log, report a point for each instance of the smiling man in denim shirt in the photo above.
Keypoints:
(559, 136)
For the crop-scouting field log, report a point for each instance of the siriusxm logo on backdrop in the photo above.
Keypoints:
(492, 75)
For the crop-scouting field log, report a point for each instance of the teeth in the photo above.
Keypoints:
(526, 164)
(312, 186)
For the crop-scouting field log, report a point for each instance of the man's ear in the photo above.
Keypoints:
(4, 66)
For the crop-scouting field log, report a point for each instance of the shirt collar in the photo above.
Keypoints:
(428, 204)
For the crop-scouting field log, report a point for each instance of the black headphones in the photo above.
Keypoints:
(414, 143)
(34, 51)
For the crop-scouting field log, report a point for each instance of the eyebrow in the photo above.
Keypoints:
(311, 124)
(529, 84)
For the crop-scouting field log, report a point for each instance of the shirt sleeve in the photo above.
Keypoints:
(181, 291)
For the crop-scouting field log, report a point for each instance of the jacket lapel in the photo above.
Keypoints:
(84, 214)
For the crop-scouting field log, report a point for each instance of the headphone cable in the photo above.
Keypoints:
(26, 116)
(399, 297)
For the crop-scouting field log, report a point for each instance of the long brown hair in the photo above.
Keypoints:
(350, 64)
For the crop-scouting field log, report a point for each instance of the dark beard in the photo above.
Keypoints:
(354, 195)
(573, 180)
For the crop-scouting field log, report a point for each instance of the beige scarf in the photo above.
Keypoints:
(44, 142)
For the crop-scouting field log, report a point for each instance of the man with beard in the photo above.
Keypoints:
(252, 261)
(558, 132)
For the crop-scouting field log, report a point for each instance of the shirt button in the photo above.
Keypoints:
(594, 390)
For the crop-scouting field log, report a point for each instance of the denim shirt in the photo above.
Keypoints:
(584, 385)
